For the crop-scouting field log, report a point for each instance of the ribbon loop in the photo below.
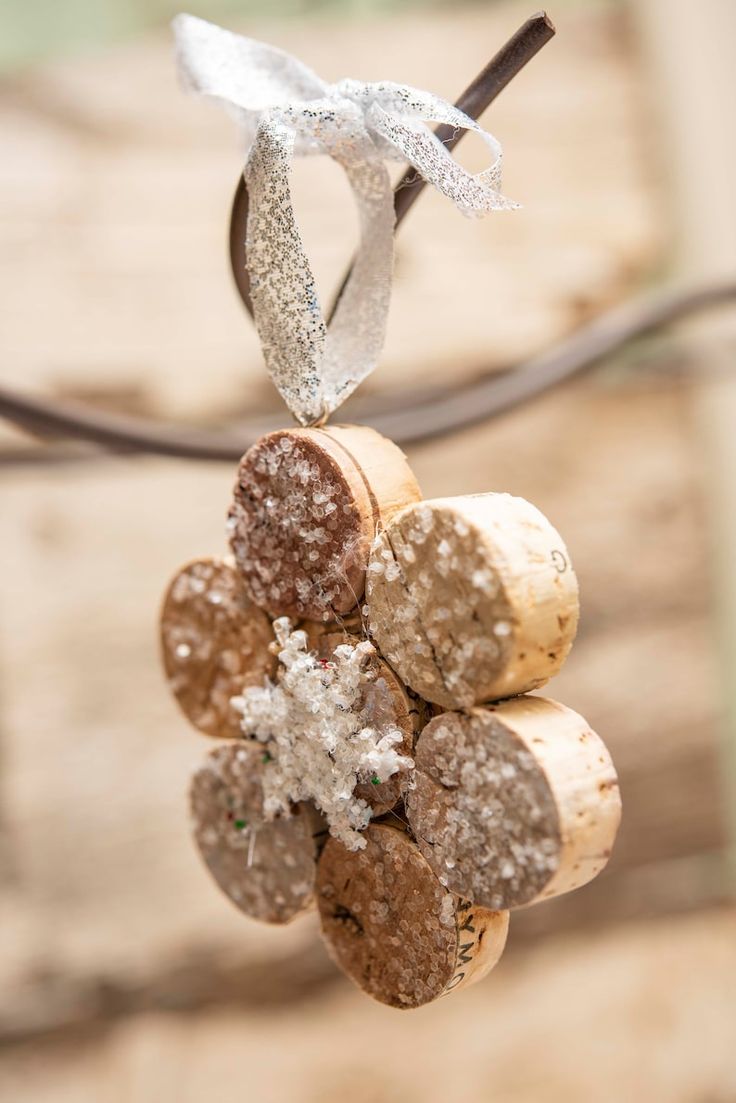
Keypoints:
(287, 110)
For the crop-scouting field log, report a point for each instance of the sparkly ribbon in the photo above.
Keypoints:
(285, 110)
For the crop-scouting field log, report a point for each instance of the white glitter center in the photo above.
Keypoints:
(320, 741)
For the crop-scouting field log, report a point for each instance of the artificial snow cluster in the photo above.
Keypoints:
(325, 731)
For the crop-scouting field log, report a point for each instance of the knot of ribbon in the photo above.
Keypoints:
(285, 110)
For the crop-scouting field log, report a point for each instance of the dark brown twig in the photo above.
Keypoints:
(510, 60)
(446, 412)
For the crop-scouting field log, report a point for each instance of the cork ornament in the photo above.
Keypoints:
(366, 658)
(390, 766)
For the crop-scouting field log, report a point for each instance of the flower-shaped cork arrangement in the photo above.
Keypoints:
(366, 660)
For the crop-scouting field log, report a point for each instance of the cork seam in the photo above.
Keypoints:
(375, 508)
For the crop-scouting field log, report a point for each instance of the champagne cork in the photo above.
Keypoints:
(306, 507)
(472, 599)
(267, 868)
(215, 642)
(394, 929)
(513, 803)
(384, 703)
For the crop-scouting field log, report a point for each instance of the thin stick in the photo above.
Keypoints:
(510, 60)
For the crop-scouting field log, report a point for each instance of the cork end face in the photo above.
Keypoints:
(482, 810)
(513, 802)
(471, 598)
(381, 917)
(427, 579)
(265, 867)
(296, 528)
(214, 642)
(394, 929)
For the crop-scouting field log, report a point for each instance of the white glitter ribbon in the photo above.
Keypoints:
(286, 110)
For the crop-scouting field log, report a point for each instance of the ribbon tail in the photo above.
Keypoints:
(356, 333)
(286, 307)
(472, 194)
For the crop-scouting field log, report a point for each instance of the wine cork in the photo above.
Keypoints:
(306, 506)
(267, 868)
(215, 642)
(513, 803)
(472, 599)
(384, 703)
(394, 929)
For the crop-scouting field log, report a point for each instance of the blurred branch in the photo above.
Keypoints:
(439, 413)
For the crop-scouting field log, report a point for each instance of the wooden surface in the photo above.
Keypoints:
(114, 286)
(642, 1013)
(691, 112)
(103, 880)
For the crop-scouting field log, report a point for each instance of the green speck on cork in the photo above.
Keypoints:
(266, 757)
(375, 781)
(240, 824)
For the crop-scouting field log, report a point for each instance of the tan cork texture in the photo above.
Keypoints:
(472, 598)
(215, 642)
(267, 868)
(513, 802)
(306, 505)
(394, 929)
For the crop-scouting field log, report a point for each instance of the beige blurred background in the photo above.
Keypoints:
(125, 976)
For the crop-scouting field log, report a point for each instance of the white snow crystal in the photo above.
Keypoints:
(320, 738)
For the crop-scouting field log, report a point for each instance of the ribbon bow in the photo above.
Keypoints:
(287, 110)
